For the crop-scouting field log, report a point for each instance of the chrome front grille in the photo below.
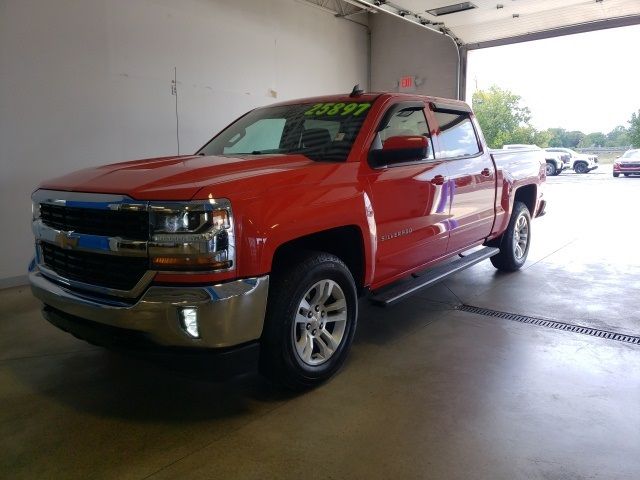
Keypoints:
(93, 242)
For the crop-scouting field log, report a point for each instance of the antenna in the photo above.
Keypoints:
(357, 91)
(174, 92)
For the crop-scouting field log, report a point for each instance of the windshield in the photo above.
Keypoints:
(321, 131)
(632, 154)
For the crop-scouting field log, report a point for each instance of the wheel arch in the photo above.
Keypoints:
(345, 242)
(527, 194)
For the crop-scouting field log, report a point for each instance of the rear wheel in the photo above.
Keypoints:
(627, 174)
(515, 241)
(551, 169)
(311, 319)
(616, 175)
(580, 167)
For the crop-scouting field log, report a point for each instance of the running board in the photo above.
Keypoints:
(391, 295)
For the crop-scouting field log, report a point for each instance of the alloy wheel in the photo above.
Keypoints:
(320, 323)
(521, 237)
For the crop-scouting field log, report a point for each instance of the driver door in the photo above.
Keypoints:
(410, 199)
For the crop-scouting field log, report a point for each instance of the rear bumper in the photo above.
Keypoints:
(229, 314)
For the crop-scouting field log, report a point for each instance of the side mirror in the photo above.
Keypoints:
(400, 149)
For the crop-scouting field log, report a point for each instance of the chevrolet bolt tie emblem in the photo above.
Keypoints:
(68, 240)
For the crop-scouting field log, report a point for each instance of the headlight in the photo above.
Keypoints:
(194, 236)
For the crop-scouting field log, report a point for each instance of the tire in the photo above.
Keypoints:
(627, 174)
(581, 167)
(551, 169)
(616, 175)
(511, 259)
(296, 349)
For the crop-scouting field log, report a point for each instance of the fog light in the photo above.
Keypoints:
(189, 321)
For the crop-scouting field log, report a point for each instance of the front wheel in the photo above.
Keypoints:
(515, 241)
(580, 167)
(551, 169)
(311, 319)
(616, 175)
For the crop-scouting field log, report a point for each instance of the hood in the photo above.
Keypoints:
(177, 178)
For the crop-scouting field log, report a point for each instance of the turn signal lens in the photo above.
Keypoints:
(199, 263)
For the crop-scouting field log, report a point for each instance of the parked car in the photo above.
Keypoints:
(262, 241)
(628, 164)
(578, 162)
(555, 162)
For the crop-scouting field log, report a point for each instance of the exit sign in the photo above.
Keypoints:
(407, 83)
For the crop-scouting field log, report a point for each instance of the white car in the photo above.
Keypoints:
(579, 162)
(555, 163)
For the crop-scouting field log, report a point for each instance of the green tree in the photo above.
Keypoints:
(543, 139)
(618, 137)
(557, 137)
(596, 139)
(634, 129)
(572, 139)
(502, 117)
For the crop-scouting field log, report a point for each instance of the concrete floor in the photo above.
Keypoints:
(428, 391)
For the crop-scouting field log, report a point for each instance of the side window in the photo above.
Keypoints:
(457, 136)
(263, 135)
(406, 122)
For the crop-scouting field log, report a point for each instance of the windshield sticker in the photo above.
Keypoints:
(339, 137)
(338, 109)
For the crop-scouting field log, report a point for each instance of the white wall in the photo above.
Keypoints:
(399, 48)
(86, 82)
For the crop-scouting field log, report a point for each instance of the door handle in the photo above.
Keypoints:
(486, 172)
(437, 180)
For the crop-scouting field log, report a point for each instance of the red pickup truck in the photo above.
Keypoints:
(263, 241)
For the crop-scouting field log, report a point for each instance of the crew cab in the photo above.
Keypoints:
(264, 239)
(578, 162)
(556, 162)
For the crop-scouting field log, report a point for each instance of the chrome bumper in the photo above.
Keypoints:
(229, 314)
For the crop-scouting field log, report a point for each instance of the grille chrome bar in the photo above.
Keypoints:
(89, 243)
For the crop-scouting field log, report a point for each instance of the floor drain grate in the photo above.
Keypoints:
(567, 327)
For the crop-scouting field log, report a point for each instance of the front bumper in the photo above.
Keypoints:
(229, 314)
(622, 169)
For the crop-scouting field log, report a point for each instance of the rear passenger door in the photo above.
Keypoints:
(472, 176)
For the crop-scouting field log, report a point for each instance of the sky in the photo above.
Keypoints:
(588, 82)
